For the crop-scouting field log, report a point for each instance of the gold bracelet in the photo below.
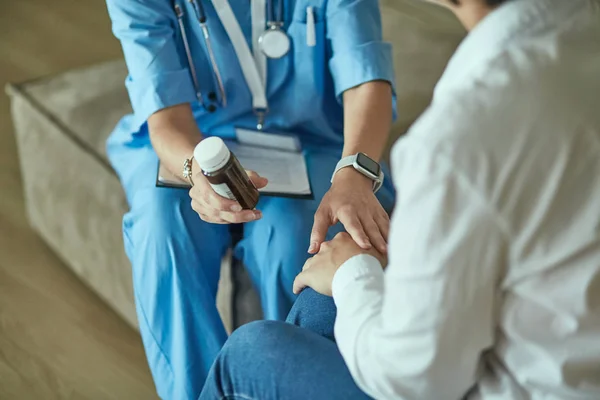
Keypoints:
(187, 170)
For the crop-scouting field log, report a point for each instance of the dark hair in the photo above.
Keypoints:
(493, 3)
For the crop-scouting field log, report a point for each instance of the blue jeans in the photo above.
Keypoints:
(297, 360)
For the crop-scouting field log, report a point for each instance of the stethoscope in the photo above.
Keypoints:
(274, 43)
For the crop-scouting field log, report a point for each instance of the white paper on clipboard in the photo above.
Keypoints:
(267, 140)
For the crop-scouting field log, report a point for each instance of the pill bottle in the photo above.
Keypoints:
(225, 173)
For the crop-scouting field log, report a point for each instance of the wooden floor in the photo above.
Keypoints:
(57, 339)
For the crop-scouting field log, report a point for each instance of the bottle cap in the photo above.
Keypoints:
(211, 154)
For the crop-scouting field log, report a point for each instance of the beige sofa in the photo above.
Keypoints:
(73, 197)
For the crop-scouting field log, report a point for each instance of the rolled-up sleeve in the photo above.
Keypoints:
(158, 76)
(358, 52)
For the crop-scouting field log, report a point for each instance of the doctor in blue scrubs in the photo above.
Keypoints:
(318, 69)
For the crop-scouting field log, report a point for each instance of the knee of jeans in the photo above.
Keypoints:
(247, 347)
(315, 312)
(249, 339)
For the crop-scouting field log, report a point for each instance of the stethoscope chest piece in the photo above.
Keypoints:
(274, 42)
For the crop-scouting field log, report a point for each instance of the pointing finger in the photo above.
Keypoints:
(319, 231)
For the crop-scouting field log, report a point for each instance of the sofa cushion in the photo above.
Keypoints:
(73, 198)
(87, 102)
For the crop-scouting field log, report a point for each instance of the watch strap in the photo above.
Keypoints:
(343, 163)
(350, 161)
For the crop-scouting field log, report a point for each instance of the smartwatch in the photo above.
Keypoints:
(365, 165)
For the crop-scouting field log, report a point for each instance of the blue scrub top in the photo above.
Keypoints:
(304, 87)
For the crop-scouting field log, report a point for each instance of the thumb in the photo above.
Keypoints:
(258, 181)
(319, 231)
(300, 282)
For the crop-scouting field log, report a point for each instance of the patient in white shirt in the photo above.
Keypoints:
(491, 286)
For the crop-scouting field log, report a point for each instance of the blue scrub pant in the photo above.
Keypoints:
(176, 260)
(297, 360)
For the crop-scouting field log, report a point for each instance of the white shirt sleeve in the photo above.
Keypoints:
(418, 331)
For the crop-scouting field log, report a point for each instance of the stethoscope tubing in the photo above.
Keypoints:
(201, 16)
(186, 45)
(275, 21)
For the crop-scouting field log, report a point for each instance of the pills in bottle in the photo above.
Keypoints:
(225, 173)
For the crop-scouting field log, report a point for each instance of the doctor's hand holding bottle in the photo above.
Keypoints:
(216, 209)
(174, 135)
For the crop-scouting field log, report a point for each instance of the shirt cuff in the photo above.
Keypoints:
(152, 93)
(365, 63)
(355, 269)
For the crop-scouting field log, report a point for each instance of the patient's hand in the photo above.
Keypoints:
(318, 271)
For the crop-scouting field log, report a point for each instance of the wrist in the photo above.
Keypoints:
(190, 167)
(187, 170)
(351, 176)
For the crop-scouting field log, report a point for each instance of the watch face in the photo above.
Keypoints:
(368, 164)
